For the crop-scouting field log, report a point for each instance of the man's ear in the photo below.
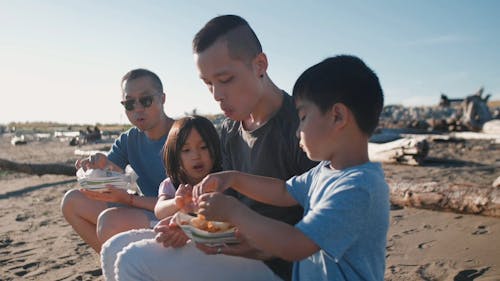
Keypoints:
(163, 98)
(260, 64)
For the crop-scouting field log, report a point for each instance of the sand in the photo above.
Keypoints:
(36, 243)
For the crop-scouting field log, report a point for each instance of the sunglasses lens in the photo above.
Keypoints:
(146, 101)
(128, 104)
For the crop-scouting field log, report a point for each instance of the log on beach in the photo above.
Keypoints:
(407, 150)
(460, 198)
(38, 169)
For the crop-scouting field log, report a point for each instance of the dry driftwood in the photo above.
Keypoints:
(459, 198)
(38, 169)
(408, 150)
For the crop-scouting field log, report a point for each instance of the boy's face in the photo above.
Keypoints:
(233, 83)
(314, 130)
(144, 118)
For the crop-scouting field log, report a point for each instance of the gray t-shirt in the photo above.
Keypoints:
(272, 150)
(347, 216)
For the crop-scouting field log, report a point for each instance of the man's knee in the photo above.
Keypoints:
(70, 200)
(108, 223)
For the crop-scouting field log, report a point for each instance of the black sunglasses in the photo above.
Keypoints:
(145, 101)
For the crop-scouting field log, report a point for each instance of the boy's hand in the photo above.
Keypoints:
(169, 234)
(217, 182)
(217, 206)
(111, 194)
(184, 198)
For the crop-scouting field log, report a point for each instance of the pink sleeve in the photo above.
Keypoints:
(166, 188)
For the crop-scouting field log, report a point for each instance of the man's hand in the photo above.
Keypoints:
(241, 249)
(169, 234)
(95, 161)
(111, 194)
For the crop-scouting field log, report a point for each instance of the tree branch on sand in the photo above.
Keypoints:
(460, 198)
(38, 169)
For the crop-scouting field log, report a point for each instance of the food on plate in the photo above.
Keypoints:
(210, 226)
(211, 233)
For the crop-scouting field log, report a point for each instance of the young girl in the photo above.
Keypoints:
(191, 152)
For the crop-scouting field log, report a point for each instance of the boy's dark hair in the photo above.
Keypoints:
(242, 42)
(177, 138)
(141, 72)
(343, 79)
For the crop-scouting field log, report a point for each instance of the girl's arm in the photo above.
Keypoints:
(165, 207)
(264, 189)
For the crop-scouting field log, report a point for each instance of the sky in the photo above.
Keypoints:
(62, 61)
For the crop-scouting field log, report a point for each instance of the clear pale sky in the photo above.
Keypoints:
(63, 60)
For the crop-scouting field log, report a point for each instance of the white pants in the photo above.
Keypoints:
(145, 259)
(115, 245)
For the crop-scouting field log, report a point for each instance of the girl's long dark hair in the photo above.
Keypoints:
(176, 139)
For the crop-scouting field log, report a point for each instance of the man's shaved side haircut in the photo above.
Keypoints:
(241, 40)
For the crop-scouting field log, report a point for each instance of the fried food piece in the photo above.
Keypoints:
(211, 226)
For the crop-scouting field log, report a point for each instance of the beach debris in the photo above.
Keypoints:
(450, 115)
(476, 111)
(38, 169)
(18, 140)
(496, 183)
(455, 197)
(492, 127)
(405, 150)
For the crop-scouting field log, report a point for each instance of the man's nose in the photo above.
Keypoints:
(218, 94)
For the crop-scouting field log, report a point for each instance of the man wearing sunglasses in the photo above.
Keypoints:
(96, 216)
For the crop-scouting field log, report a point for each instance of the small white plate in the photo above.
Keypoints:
(201, 236)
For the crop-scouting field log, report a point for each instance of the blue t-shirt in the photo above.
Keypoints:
(346, 213)
(134, 148)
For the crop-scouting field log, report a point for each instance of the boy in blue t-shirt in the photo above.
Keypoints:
(342, 235)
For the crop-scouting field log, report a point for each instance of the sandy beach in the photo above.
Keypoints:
(36, 243)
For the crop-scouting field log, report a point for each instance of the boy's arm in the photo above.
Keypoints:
(264, 189)
(266, 234)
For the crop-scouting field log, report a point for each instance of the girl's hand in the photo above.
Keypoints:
(184, 198)
(217, 206)
(111, 194)
(169, 234)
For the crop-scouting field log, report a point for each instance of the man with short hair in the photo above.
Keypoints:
(96, 216)
(257, 137)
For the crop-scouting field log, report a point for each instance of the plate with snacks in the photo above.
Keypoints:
(97, 180)
(212, 233)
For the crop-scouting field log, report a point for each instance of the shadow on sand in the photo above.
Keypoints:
(33, 188)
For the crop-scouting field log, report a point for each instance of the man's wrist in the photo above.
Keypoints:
(131, 198)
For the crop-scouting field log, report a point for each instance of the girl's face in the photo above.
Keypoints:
(195, 157)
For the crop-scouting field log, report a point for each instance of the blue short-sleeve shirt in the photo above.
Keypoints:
(346, 213)
(134, 148)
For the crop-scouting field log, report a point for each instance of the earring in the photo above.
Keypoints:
(262, 76)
